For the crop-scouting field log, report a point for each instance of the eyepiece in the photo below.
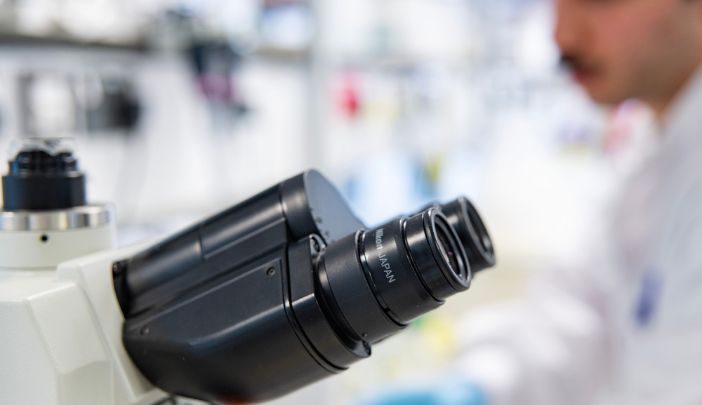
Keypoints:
(471, 230)
(437, 253)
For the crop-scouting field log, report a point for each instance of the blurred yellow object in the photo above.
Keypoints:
(433, 169)
(438, 333)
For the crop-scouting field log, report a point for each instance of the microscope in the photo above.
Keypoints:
(268, 296)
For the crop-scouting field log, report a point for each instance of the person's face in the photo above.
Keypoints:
(620, 49)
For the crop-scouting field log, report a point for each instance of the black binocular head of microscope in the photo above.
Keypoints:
(287, 288)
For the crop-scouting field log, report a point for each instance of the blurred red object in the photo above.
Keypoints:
(349, 95)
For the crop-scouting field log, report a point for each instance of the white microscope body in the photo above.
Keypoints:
(60, 323)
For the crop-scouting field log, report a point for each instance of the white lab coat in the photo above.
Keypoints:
(623, 327)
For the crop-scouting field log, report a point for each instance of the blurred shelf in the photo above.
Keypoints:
(280, 54)
(398, 61)
(12, 38)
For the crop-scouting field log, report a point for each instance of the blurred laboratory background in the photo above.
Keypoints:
(180, 108)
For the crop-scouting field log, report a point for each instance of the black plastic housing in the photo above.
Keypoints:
(280, 291)
(304, 205)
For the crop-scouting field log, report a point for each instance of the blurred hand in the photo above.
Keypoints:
(451, 392)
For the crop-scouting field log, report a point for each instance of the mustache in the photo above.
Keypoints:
(574, 62)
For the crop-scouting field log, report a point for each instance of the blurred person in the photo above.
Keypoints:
(623, 325)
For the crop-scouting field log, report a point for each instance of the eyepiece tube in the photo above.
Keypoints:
(471, 230)
(383, 278)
